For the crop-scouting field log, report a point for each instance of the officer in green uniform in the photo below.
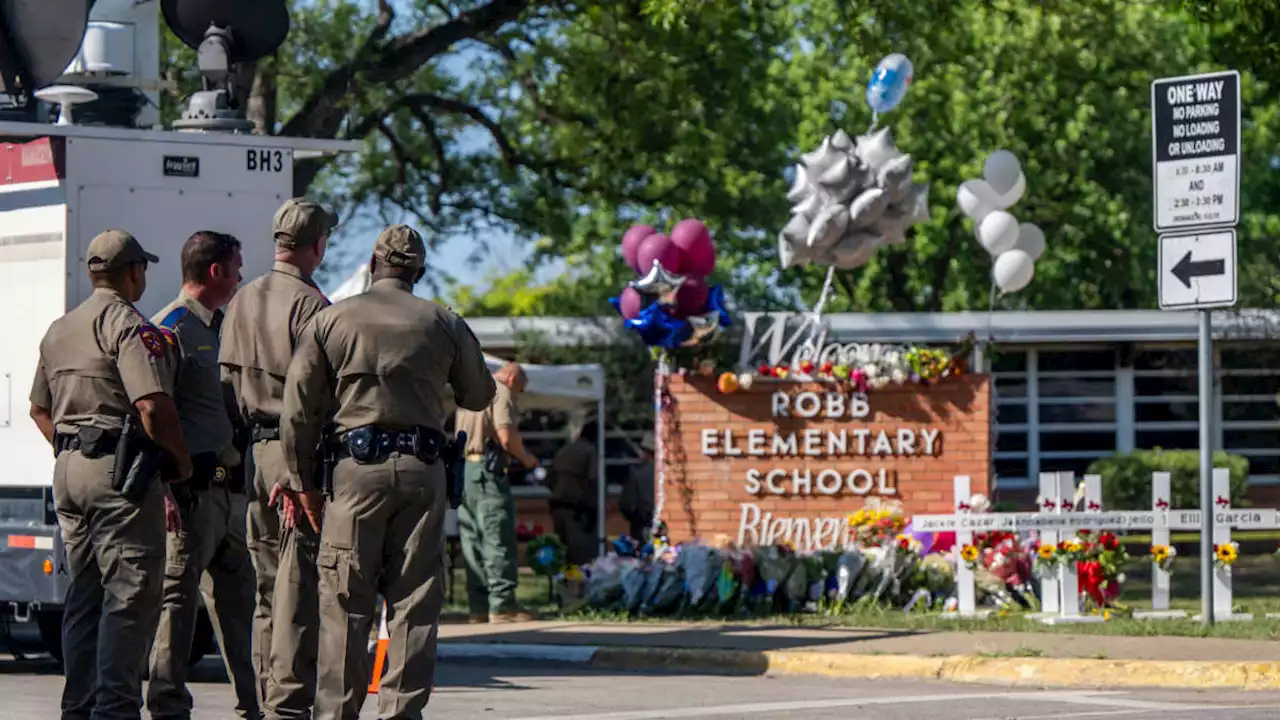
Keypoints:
(487, 517)
(105, 373)
(211, 542)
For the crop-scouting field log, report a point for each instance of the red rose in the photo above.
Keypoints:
(1084, 533)
(806, 367)
(1109, 541)
(826, 368)
(765, 371)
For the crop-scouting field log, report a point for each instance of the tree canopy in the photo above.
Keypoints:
(566, 122)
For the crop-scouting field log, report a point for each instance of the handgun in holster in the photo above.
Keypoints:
(495, 458)
(455, 468)
(137, 462)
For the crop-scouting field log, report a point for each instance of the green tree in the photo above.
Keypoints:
(575, 120)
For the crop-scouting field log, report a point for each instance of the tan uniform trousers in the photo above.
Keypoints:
(286, 619)
(207, 557)
(115, 553)
(383, 535)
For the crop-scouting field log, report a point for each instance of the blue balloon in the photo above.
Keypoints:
(889, 82)
(658, 329)
(715, 302)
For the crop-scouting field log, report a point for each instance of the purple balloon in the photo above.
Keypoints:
(630, 302)
(660, 248)
(697, 251)
(691, 298)
(631, 242)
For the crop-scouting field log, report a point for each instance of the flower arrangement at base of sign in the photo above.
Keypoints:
(877, 522)
(1162, 556)
(569, 585)
(868, 367)
(1225, 555)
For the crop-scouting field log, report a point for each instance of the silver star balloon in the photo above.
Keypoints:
(849, 198)
(705, 327)
(659, 283)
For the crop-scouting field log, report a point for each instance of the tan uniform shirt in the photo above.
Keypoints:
(98, 360)
(574, 472)
(263, 323)
(379, 358)
(202, 408)
(484, 424)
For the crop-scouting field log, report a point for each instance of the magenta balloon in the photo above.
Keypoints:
(631, 242)
(691, 299)
(660, 248)
(631, 302)
(697, 251)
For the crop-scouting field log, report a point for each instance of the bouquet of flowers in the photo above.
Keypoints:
(546, 555)
(1162, 556)
(1099, 564)
(877, 522)
(701, 566)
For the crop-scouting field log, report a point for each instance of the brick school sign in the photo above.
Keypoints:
(788, 461)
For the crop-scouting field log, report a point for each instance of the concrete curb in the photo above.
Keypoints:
(1038, 672)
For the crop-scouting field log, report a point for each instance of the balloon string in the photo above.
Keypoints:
(659, 389)
(991, 308)
(815, 319)
(875, 120)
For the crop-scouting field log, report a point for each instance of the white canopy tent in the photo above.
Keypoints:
(577, 389)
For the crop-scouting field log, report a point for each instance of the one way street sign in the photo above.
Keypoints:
(1198, 270)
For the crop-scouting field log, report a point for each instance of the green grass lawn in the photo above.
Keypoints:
(1256, 590)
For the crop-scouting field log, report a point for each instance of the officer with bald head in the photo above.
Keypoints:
(262, 325)
(367, 383)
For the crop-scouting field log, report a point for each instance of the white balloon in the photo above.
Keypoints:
(998, 232)
(1030, 240)
(976, 199)
(1013, 271)
(1001, 171)
(1007, 200)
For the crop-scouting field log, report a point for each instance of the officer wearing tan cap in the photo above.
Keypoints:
(104, 384)
(375, 366)
(262, 325)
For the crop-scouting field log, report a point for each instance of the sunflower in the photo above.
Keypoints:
(969, 553)
(1226, 554)
(1045, 552)
(1072, 546)
(1159, 553)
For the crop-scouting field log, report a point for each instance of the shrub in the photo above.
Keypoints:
(1126, 479)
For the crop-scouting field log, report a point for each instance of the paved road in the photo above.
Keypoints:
(511, 692)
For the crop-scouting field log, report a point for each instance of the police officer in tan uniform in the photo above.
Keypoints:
(211, 542)
(374, 368)
(575, 472)
(262, 325)
(104, 370)
(487, 517)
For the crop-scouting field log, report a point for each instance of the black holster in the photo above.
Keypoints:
(455, 468)
(495, 458)
(203, 469)
(137, 462)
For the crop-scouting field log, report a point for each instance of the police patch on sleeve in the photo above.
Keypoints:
(152, 340)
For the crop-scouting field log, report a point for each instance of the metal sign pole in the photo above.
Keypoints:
(1206, 376)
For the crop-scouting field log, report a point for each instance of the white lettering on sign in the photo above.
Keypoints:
(807, 534)
(825, 482)
(1196, 143)
(809, 405)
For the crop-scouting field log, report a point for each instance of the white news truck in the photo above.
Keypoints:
(59, 186)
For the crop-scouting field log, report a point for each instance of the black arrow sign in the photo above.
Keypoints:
(1186, 269)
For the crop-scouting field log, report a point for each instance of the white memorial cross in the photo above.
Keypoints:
(1161, 496)
(1051, 524)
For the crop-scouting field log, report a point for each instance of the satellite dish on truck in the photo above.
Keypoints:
(38, 38)
(223, 33)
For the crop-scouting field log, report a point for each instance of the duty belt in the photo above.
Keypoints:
(265, 432)
(372, 444)
(92, 440)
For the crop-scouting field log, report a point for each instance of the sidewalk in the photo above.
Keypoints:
(1041, 659)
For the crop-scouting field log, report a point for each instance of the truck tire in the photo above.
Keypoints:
(203, 642)
(49, 623)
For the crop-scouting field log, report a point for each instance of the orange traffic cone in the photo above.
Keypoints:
(380, 653)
